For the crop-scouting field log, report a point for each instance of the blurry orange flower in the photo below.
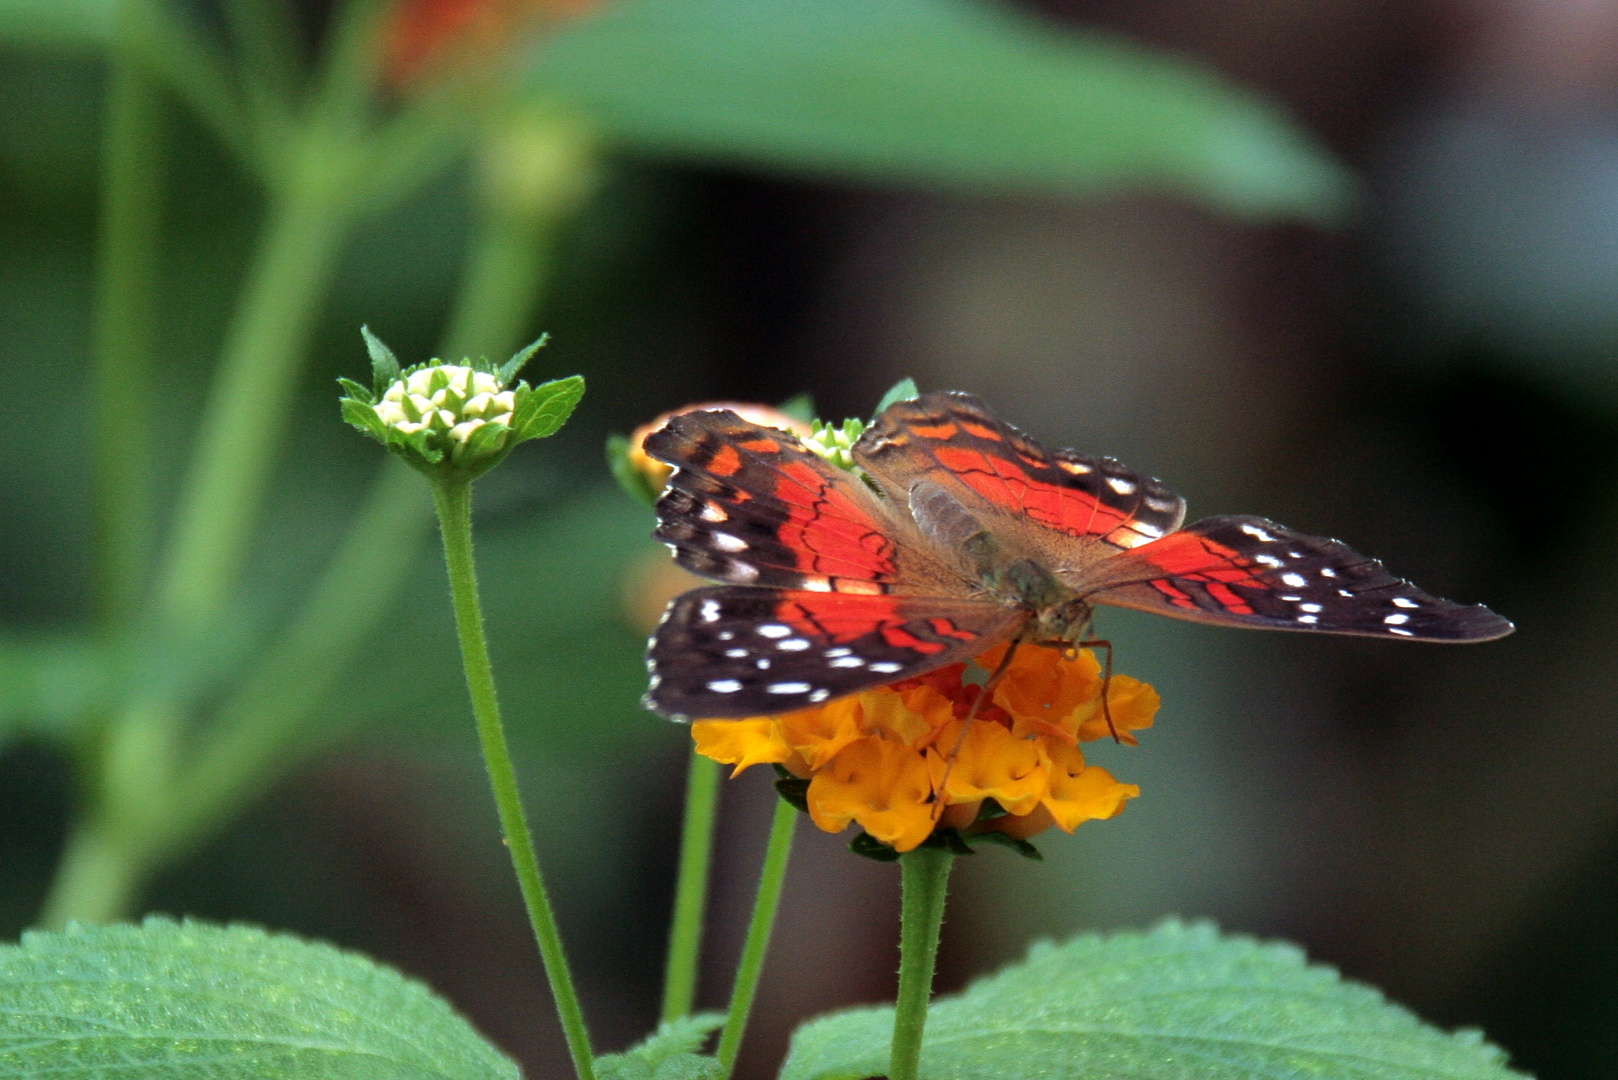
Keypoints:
(656, 473)
(421, 34)
(882, 758)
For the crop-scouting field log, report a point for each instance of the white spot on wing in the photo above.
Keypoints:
(1397, 619)
(709, 612)
(1309, 619)
(1313, 608)
(1295, 580)
(1401, 631)
(727, 542)
(712, 511)
(838, 652)
(884, 667)
(848, 662)
(793, 644)
(1120, 485)
(815, 583)
(1253, 530)
(763, 663)
(1268, 560)
(819, 696)
(1326, 571)
(788, 688)
(724, 686)
(774, 630)
(1077, 468)
(727, 635)
(740, 572)
(736, 654)
(1404, 602)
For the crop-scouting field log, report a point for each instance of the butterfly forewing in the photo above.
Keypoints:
(1249, 571)
(750, 505)
(729, 651)
(953, 439)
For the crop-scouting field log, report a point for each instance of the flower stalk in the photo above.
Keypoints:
(925, 875)
(691, 888)
(453, 499)
(771, 879)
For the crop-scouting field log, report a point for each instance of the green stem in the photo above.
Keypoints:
(771, 878)
(131, 222)
(454, 501)
(926, 874)
(98, 873)
(691, 889)
(248, 404)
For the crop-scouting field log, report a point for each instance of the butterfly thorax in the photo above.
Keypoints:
(1056, 612)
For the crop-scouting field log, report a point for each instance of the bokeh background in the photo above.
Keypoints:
(1433, 378)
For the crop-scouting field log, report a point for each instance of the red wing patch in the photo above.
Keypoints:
(752, 506)
(738, 651)
(1249, 571)
(1066, 492)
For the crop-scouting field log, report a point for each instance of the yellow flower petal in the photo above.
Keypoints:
(1080, 792)
(992, 764)
(879, 783)
(821, 733)
(1133, 705)
(742, 743)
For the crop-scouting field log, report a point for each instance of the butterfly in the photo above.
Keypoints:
(962, 533)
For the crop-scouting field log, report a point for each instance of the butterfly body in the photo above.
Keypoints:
(961, 533)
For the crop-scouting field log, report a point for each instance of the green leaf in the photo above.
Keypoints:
(669, 1054)
(1021, 847)
(384, 365)
(59, 23)
(354, 390)
(903, 390)
(629, 478)
(547, 408)
(509, 369)
(363, 416)
(799, 407)
(959, 94)
(193, 1001)
(1178, 1002)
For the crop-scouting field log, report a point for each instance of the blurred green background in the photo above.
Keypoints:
(1350, 265)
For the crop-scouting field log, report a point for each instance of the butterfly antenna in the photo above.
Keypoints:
(972, 714)
(1106, 684)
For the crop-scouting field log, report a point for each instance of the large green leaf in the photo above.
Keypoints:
(57, 23)
(190, 1001)
(1178, 1003)
(956, 93)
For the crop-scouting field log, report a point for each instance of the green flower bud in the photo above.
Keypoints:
(835, 442)
(455, 420)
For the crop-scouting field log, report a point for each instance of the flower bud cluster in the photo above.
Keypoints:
(835, 442)
(449, 399)
(455, 420)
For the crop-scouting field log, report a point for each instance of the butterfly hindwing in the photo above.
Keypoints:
(1249, 571)
(953, 439)
(731, 651)
(750, 505)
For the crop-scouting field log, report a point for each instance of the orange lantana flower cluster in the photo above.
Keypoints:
(881, 757)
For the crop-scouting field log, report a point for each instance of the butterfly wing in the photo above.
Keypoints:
(1092, 505)
(829, 593)
(1249, 571)
(729, 651)
(751, 505)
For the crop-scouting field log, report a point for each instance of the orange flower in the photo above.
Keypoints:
(886, 757)
(422, 34)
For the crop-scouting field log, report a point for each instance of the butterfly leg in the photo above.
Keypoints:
(1106, 681)
(972, 714)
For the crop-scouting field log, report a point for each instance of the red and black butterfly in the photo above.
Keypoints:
(972, 535)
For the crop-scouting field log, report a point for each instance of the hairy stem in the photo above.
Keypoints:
(454, 501)
(926, 874)
(121, 434)
(771, 879)
(691, 888)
